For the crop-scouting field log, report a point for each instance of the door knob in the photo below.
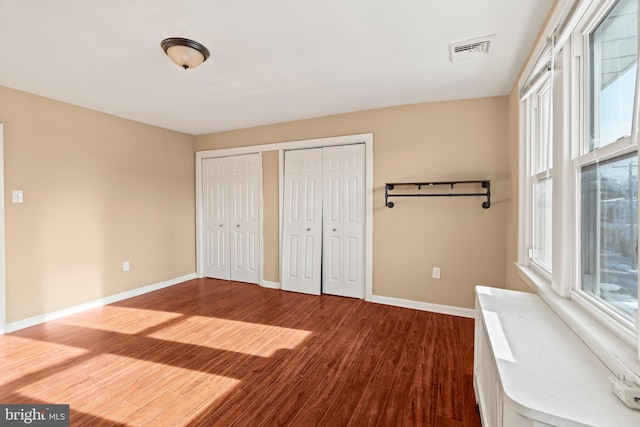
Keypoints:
(308, 229)
(335, 229)
(220, 225)
(238, 226)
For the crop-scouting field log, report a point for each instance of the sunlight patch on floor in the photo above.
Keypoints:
(242, 337)
(146, 390)
(24, 356)
(110, 318)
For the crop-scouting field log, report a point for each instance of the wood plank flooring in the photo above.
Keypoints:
(215, 353)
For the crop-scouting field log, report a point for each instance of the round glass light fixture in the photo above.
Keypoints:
(184, 52)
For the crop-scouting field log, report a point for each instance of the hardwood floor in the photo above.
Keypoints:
(215, 353)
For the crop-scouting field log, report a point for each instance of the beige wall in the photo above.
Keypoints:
(456, 140)
(270, 214)
(98, 190)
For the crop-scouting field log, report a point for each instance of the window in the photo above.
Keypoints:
(609, 233)
(613, 62)
(579, 174)
(538, 106)
(609, 178)
(541, 180)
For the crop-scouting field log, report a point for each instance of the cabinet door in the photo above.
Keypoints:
(343, 220)
(488, 393)
(216, 218)
(302, 221)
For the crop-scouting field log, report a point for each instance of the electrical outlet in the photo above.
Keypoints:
(436, 273)
(626, 391)
(17, 196)
(125, 266)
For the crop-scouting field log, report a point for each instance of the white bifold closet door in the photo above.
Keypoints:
(323, 221)
(343, 220)
(231, 196)
(302, 221)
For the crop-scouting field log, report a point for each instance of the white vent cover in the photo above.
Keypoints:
(469, 49)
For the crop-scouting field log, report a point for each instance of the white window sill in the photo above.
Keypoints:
(615, 348)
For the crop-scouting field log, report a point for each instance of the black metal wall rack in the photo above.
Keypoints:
(486, 184)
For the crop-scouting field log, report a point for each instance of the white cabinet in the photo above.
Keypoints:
(530, 369)
(231, 217)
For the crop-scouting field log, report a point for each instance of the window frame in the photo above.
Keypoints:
(568, 28)
(535, 128)
(583, 154)
(620, 323)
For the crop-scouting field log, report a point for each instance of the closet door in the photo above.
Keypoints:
(216, 218)
(302, 221)
(343, 220)
(231, 200)
(244, 205)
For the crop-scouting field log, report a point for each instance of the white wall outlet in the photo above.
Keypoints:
(17, 196)
(125, 266)
(436, 273)
(626, 391)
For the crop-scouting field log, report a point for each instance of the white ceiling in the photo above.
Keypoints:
(271, 61)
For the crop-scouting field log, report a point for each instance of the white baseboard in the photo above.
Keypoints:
(36, 320)
(425, 306)
(270, 285)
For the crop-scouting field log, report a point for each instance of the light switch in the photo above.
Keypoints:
(17, 196)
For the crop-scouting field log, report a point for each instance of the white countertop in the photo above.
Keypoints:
(547, 373)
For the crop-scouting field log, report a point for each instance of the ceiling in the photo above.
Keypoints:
(271, 61)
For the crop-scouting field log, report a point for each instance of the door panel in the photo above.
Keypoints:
(216, 221)
(323, 221)
(231, 217)
(292, 259)
(343, 218)
(352, 254)
(245, 218)
(302, 221)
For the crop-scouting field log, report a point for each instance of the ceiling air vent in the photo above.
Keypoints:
(469, 49)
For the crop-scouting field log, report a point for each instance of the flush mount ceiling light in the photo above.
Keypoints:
(184, 52)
